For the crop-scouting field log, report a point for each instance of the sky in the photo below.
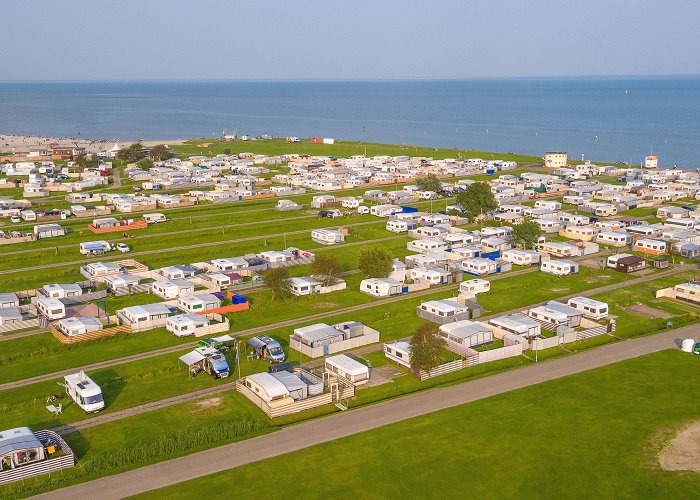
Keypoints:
(353, 39)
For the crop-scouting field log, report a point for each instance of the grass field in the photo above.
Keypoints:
(591, 435)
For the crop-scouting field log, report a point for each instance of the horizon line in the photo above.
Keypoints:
(376, 79)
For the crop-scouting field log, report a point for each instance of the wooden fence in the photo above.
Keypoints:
(105, 332)
(500, 353)
(444, 368)
(20, 325)
(66, 461)
(297, 406)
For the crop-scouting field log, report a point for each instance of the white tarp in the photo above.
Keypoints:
(191, 358)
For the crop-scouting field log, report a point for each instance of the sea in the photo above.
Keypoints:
(602, 119)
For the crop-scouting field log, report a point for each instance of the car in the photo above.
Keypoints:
(690, 208)
(15, 219)
(123, 247)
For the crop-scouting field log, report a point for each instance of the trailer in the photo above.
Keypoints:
(95, 247)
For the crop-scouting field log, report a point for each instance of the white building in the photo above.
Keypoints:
(327, 236)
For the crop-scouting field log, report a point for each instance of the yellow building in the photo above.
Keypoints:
(556, 160)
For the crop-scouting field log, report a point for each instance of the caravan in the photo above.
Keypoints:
(95, 247)
(154, 218)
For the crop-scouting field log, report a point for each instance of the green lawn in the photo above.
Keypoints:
(590, 435)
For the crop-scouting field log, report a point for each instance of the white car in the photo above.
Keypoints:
(15, 219)
(123, 247)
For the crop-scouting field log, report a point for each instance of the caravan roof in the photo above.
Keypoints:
(272, 386)
(319, 333)
(349, 365)
(463, 329)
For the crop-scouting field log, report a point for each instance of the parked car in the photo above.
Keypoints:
(123, 247)
(690, 208)
(15, 219)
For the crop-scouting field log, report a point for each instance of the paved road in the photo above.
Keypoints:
(339, 425)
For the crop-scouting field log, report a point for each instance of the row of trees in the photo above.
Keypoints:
(136, 152)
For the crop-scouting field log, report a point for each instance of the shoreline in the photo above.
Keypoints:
(18, 143)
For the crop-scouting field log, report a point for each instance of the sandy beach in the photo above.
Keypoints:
(24, 143)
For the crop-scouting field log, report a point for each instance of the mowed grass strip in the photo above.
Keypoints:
(590, 435)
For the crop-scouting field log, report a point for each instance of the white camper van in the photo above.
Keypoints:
(86, 393)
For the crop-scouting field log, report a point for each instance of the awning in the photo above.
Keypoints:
(224, 338)
(191, 358)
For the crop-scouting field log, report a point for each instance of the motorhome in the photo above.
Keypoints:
(267, 348)
(84, 391)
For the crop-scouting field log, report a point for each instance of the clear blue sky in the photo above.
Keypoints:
(352, 39)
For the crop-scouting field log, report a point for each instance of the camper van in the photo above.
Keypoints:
(267, 348)
(86, 393)
(95, 247)
(214, 362)
(154, 218)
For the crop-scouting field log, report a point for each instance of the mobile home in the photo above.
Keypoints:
(557, 313)
(442, 311)
(651, 247)
(381, 287)
(559, 267)
(522, 257)
(347, 368)
(327, 236)
(50, 307)
(474, 286)
(78, 326)
(592, 309)
(400, 352)
(517, 324)
(400, 226)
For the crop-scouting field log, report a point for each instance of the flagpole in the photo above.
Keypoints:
(238, 360)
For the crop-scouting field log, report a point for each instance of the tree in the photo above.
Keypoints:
(476, 200)
(525, 235)
(375, 262)
(131, 153)
(426, 348)
(144, 163)
(161, 152)
(277, 280)
(83, 161)
(227, 151)
(326, 269)
(429, 183)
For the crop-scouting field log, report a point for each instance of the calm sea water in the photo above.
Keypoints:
(595, 117)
